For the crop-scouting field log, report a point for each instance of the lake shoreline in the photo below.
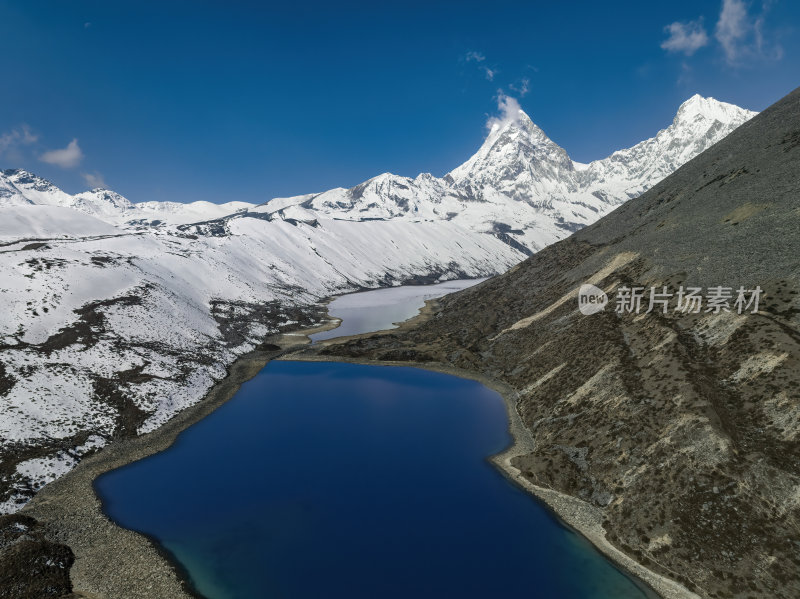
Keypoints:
(577, 515)
(114, 561)
(111, 561)
(571, 512)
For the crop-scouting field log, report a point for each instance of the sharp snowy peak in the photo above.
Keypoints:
(520, 186)
(519, 161)
(523, 187)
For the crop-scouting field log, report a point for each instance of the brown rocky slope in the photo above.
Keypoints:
(683, 427)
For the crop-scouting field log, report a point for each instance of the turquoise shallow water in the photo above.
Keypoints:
(327, 480)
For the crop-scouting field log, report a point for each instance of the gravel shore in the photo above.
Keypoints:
(110, 561)
(578, 515)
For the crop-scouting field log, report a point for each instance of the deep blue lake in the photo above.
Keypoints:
(327, 480)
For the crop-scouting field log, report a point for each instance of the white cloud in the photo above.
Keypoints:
(473, 56)
(510, 112)
(94, 180)
(68, 157)
(7, 140)
(490, 73)
(26, 136)
(686, 37)
(686, 74)
(732, 28)
(742, 35)
(20, 135)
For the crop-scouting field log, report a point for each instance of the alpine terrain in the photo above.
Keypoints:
(669, 435)
(119, 315)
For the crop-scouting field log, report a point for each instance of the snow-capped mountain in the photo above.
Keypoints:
(117, 315)
(699, 124)
(519, 186)
(523, 187)
(21, 188)
(519, 161)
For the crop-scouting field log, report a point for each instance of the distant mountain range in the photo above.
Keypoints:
(117, 315)
(520, 186)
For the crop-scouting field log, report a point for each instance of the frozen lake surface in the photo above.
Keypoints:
(379, 309)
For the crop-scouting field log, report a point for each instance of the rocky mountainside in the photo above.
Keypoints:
(680, 426)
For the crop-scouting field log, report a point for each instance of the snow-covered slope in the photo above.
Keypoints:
(45, 222)
(118, 314)
(699, 124)
(107, 333)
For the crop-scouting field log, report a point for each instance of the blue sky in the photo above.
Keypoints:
(197, 100)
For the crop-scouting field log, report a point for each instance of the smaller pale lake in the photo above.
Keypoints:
(379, 309)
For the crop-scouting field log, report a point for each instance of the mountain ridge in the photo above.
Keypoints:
(524, 185)
(519, 185)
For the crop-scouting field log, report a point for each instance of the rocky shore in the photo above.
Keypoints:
(107, 560)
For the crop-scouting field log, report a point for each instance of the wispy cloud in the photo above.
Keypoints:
(68, 157)
(479, 58)
(742, 35)
(19, 136)
(522, 88)
(510, 112)
(685, 77)
(687, 37)
(732, 28)
(94, 180)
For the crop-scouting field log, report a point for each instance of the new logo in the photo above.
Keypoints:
(591, 299)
